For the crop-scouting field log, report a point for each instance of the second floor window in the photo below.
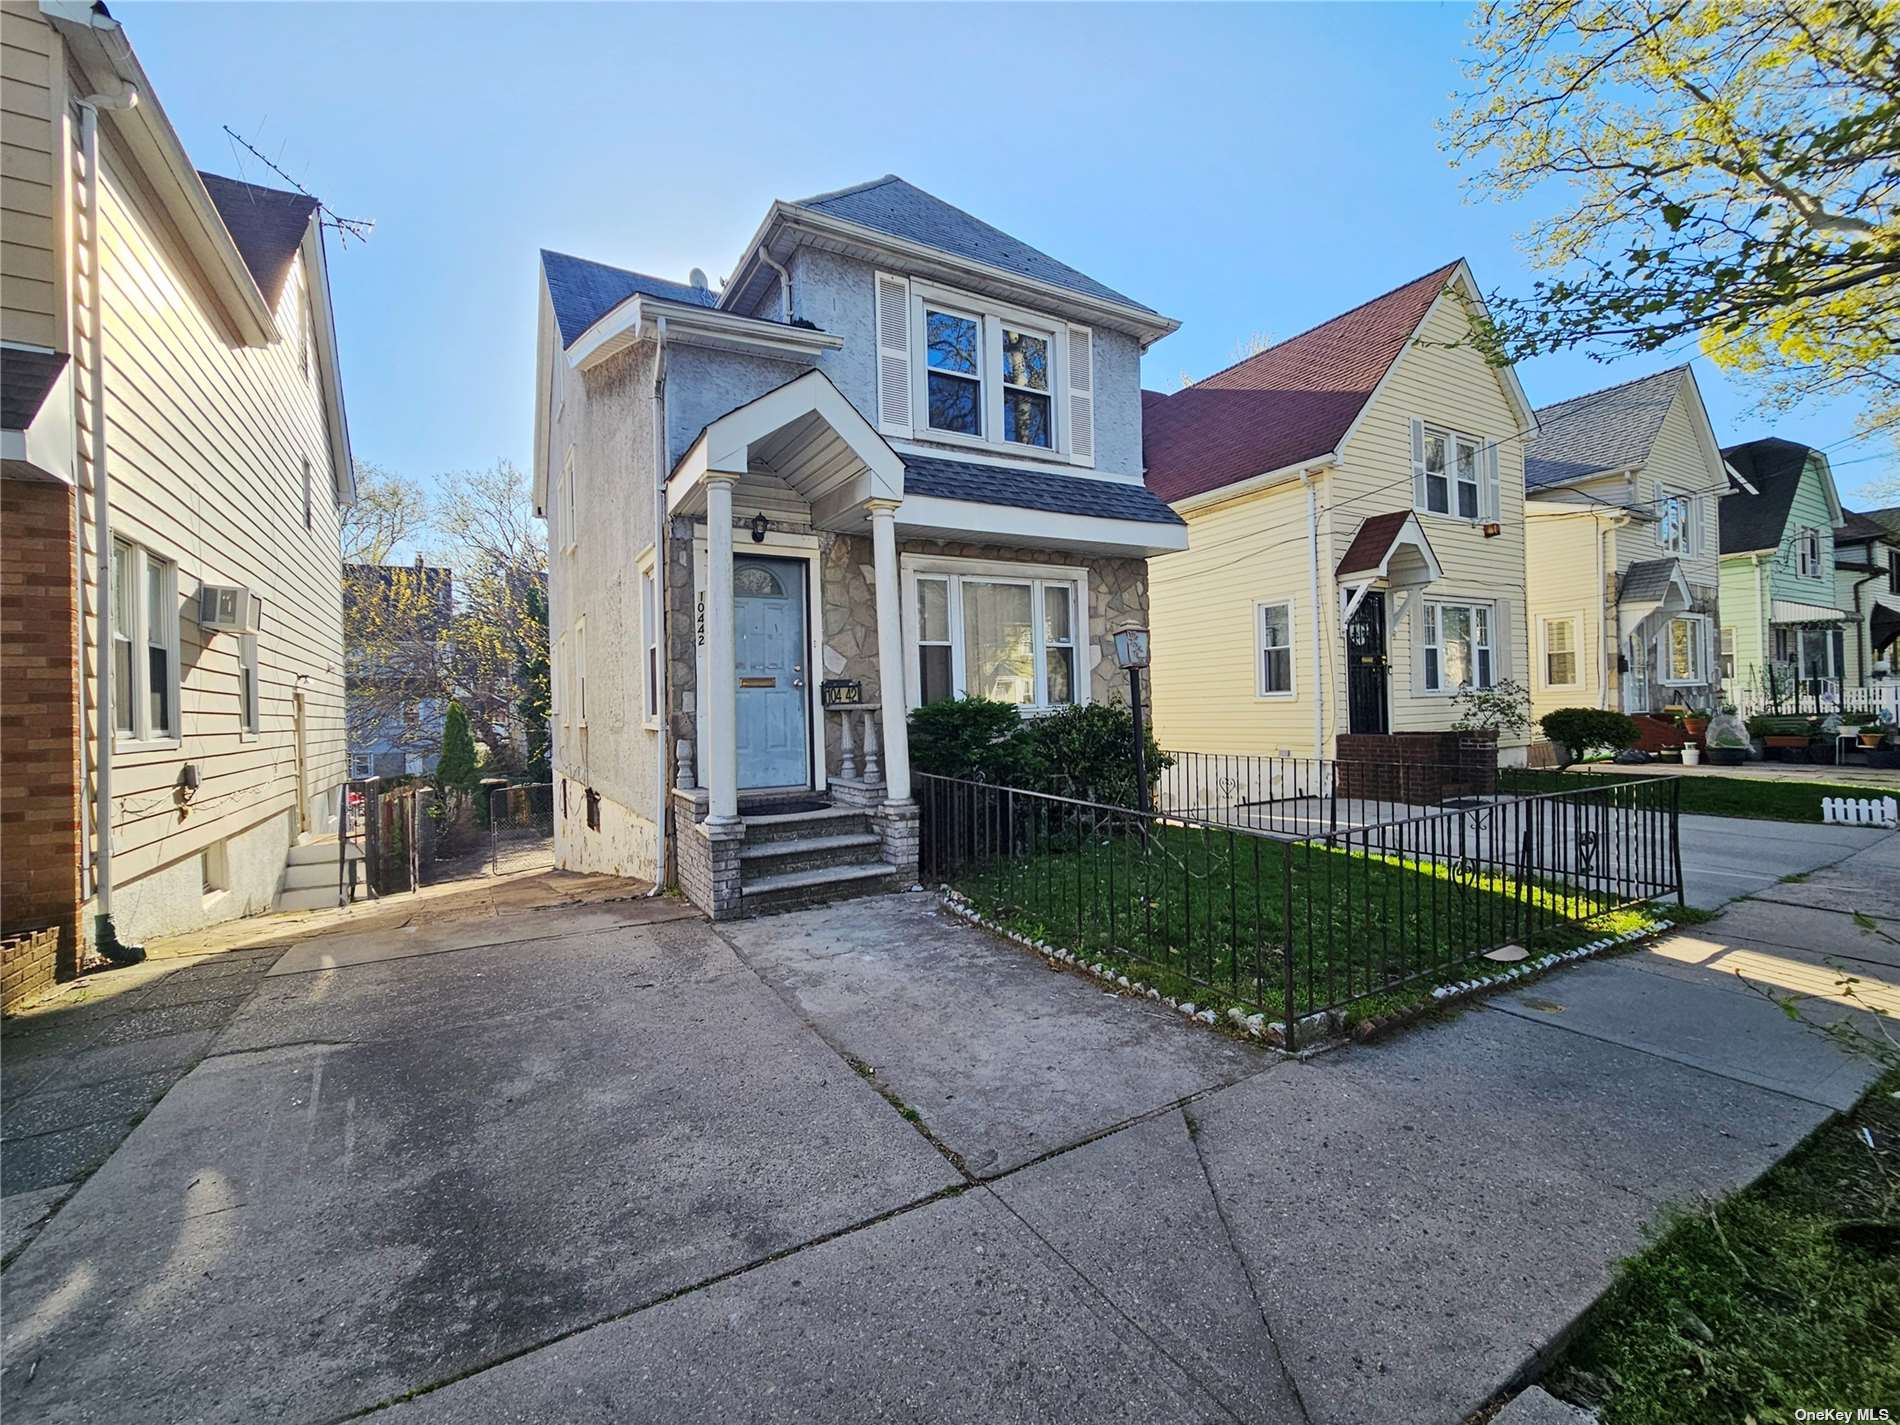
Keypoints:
(1026, 388)
(1807, 553)
(953, 349)
(1450, 474)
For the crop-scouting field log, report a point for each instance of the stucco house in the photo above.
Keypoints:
(1355, 506)
(896, 458)
(1783, 623)
(1867, 589)
(1621, 519)
(176, 461)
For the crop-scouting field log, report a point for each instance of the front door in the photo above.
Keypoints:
(1367, 667)
(768, 612)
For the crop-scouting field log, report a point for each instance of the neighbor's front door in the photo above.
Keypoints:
(768, 609)
(1367, 667)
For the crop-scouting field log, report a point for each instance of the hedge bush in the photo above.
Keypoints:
(1579, 731)
(1086, 752)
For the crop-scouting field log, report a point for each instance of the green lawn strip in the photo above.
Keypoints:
(1785, 1296)
(1754, 797)
(1200, 914)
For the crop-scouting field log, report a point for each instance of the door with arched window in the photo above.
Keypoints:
(774, 702)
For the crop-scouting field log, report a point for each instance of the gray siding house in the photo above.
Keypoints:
(896, 459)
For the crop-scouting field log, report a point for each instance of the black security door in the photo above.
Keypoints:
(1367, 667)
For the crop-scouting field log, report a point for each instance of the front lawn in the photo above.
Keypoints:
(1192, 909)
(1784, 1297)
(1713, 795)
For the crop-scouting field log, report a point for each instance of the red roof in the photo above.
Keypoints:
(1291, 402)
(1373, 542)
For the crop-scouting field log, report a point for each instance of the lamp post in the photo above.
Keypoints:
(1131, 651)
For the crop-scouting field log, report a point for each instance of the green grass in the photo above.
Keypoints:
(1199, 909)
(1785, 1296)
(1755, 797)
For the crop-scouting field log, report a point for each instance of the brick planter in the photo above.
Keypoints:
(1427, 767)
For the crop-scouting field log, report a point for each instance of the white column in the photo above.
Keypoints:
(721, 772)
(890, 651)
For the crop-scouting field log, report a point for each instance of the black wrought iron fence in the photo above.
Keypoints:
(1302, 796)
(1300, 924)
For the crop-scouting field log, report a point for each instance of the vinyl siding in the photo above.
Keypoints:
(32, 97)
(1564, 547)
(1255, 549)
(1202, 610)
(206, 447)
(1443, 380)
(1754, 642)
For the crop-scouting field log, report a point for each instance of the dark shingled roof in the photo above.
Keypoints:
(1855, 527)
(583, 292)
(267, 224)
(26, 377)
(1611, 429)
(1773, 466)
(1646, 581)
(1291, 402)
(903, 210)
(1370, 544)
(1034, 490)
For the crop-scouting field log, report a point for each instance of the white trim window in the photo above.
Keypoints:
(649, 642)
(1672, 528)
(1807, 553)
(362, 766)
(564, 670)
(985, 374)
(1562, 663)
(1273, 631)
(1009, 633)
(1458, 651)
(1453, 474)
(144, 644)
(1685, 651)
(247, 685)
(1727, 650)
(570, 524)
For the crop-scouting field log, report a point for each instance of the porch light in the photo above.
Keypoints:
(1131, 647)
(758, 528)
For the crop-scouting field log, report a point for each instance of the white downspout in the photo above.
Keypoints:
(105, 938)
(1319, 676)
(663, 797)
(784, 284)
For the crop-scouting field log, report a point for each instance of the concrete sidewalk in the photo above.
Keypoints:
(868, 1163)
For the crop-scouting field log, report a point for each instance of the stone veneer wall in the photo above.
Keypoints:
(847, 602)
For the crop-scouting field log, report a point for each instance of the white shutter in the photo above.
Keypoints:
(1704, 525)
(893, 354)
(1492, 506)
(1081, 364)
(1501, 661)
(1418, 463)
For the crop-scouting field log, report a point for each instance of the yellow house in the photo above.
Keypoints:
(1355, 507)
(1622, 530)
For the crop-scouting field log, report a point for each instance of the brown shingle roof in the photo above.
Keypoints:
(1291, 402)
(1370, 544)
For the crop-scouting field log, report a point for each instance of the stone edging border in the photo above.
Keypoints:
(1310, 1031)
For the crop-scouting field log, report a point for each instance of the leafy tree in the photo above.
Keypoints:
(1732, 173)
(456, 770)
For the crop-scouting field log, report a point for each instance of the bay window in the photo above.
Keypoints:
(995, 632)
(1457, 647)
(144, 598)
(1686, 650)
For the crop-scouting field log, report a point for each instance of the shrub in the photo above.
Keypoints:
(1088, 752)
(1503, 708)
(972, 738)
(455, 769)
(1580, 730)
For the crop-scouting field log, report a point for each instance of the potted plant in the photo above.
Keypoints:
(1789, 736)
(1727, 739)
(1866, 728)
(1695, 722)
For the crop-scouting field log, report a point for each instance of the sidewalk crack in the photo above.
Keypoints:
(1227, 1230)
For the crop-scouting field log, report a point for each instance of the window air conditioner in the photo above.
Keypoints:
(229, 608)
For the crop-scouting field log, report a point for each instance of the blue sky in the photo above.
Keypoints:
(1242, 168)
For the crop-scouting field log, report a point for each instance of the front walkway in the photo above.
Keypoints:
(867, 1163)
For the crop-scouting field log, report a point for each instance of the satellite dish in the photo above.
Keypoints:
(697, 279)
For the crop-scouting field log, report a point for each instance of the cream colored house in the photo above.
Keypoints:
(176, 464)
(1355, 508)
(1622, 526)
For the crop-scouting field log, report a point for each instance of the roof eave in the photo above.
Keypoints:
(624, 324)
(1148, 327)
(98, 44)
(1252, 484)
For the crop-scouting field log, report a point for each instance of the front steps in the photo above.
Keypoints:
(310, 875)
(801, 858)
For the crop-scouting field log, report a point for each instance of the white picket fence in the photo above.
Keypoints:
(1881, 698)
(1861, 811)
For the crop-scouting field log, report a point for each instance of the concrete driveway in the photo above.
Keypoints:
(867, 1163)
